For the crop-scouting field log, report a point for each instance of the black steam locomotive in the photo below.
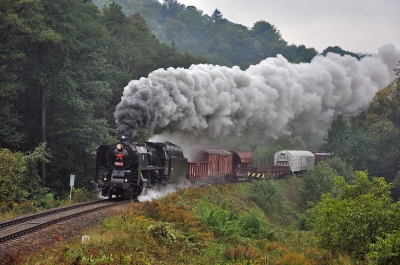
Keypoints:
(126, 169)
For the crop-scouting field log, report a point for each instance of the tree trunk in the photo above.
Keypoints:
(43, 133)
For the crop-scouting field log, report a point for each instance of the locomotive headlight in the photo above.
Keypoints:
(125, 180)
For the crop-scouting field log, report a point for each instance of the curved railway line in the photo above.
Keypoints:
(18, 227)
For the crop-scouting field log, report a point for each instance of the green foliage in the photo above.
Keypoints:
(383, 120)
(397, 72)
(354, 145)
(83, 195)
(266, 195)
(316, 183)
(371, 141)
(386, 250)
(338, 50)
(233, 225)
(354, 216)
(12, 168)
(222, 222)
(75, 60)
(338, 131)
(254, 226)
(168, 231)
(342, 168)
(21, 185)
(196, 33)
(16, 18)
(47, 201)
(164, 233)
(264, 156)
(31, 182)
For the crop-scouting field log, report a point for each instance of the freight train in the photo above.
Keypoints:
(126, 169)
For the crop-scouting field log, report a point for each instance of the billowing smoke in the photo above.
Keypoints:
(152, 194)
(211, 101)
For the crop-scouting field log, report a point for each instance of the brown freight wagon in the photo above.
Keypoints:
(320, 157)
(209, 163)
(242, 162)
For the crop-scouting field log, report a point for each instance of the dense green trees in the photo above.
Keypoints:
(62, 75)
(316, 183)
(214, 37)
(18, 20)
(358, 219)
(370, 141)
(338, 50)
(18, 177)
(63, 66)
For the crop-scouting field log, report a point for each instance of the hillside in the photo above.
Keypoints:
(248, 223)
(213, 37)
(319, 218)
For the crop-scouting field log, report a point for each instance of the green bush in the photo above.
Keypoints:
(357, 219)
(386, 250)
(12, 168)
(222, 222)
(237, 227)
(252, 225)
(265, 194)
(315, 183)
(83, 195)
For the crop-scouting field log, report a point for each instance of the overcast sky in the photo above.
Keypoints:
(354, 25)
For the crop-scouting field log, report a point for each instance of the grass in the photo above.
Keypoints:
(248, 223)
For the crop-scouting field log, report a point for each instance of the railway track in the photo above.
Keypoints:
(18, 227)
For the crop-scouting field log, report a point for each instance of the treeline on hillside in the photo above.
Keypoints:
(217, 39)
(371, 141)
(63, 68)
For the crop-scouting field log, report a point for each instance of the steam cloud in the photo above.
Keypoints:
(208, 100)
(153, 194)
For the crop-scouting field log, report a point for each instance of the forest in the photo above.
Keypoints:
(64, 64)
(63, 68)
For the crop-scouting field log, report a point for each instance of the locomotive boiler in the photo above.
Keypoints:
(126, 169)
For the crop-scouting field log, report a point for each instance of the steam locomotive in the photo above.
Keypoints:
(126, 169)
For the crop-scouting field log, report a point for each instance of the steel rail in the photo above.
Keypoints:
(33, 216)
(20, 233)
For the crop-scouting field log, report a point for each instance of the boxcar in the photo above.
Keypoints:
(209, 163)
(242, 163)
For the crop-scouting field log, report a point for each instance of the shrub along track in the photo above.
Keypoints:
(60, 223)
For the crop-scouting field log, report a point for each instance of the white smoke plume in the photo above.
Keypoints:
(212, 101)
(153, 194)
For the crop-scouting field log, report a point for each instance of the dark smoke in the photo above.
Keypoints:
(212, 101)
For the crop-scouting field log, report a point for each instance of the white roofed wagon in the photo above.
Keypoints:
(298, 161)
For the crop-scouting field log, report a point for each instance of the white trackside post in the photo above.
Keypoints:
(71, 183)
